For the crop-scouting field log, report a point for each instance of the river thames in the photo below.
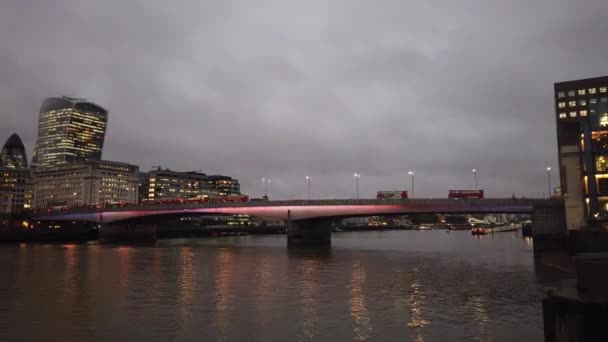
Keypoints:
(383, 286)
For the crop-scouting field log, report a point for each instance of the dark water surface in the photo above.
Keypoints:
(383, 286)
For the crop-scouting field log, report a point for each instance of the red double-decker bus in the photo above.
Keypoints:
(465, 194)
(400, 194)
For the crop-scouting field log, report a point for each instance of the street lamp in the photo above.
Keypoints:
(266, 181)
(411, 173)
(308, 179)
(357, 176)
(475, 178)
(549, 179)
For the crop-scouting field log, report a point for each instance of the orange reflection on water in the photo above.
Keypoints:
(309, 297)
(415, 300)
(358, 308)
(223, 296)
(125, 262)
(264, 288)
(186, 282)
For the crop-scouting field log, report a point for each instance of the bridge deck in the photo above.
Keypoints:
(304, 209)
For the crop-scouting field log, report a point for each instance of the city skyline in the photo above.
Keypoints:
(316, 98)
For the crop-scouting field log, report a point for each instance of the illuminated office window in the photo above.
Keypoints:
(581, 91)
(572, 103)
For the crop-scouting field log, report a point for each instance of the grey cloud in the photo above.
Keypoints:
(285, 89)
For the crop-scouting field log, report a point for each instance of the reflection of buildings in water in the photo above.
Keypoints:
(358, 308)
(309, 296)
(223, 296)
(415, 299)
(263, 287)
(186, 283)
(476, 304)
(125, 256)
(71, 273)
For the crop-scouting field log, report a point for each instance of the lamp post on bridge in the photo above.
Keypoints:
(549, 179)
(357, 176)
(411, 173)
(308, 179)
(266, 181)
(475, 178)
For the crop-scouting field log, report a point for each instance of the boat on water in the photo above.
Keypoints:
(479, 231)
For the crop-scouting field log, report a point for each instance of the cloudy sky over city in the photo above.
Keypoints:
(322, 88)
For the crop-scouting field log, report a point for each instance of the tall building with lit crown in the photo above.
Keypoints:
(69, 130)
(14, 175)
(92, 182)
(581, 109)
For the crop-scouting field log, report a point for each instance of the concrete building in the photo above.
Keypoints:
(581, 108)
(167, 184)
(69, 130)
(92, 182)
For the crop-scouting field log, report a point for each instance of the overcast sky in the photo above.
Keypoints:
(325, 88)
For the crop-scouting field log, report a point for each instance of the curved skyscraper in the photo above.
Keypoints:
(69, 130)
(13, 155)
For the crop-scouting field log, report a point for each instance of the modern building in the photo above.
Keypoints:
(69, 130)
(13, 154)
(14, 175)
(92, 182)
(224, 185)
(581, 108)
(167, 184)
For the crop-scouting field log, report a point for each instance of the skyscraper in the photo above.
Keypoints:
(14, 176)
(582, 138)
(13, 155)
(69, 130)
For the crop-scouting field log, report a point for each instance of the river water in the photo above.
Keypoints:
(383, 286)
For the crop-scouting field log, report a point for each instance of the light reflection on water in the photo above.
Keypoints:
(411, 286)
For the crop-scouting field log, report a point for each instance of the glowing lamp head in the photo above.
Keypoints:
(548, 169)
(411, 173)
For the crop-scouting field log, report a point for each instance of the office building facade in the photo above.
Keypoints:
(69, 130)
(581, 109)
(92, 182)
(167, 185)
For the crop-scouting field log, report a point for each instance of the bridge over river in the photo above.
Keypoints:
(308, 221)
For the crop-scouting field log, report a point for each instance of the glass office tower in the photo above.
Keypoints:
(69, 130)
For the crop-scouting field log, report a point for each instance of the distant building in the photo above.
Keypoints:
(13, 155)
(92, 182)
(69, 130)
(167, 184)
(14, 175)
(224, 185)
(581, 108)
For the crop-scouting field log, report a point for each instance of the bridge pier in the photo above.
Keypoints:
(308, 233)
(549, 229)
(128, 232)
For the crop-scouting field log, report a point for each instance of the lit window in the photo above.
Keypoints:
(582, 102)
(592, 100)
(572, 114)
(562, 115)
(581, 91)
(570, 92)
(602, 89)
(592, 90)
(561, 94)
(583, 113)
(572, 103)
(562, 105)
